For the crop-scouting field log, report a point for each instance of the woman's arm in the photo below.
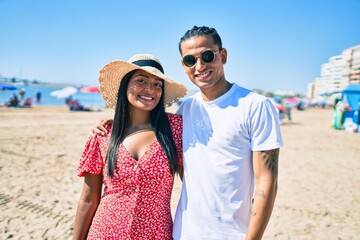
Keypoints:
(87, 205)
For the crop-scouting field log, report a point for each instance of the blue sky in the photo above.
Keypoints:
(272, 44)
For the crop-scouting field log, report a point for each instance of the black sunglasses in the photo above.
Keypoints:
(207, 56)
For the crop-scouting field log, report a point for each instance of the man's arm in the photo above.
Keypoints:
(265, 164)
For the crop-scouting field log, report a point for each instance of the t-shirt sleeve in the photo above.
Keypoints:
(91, 160)
(265, 131)
(179, 111)
(176, 128)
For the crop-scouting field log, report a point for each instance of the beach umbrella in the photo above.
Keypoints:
(4, 86)
(91, 93)
(90, 89)
(64, 93)
(291, 102)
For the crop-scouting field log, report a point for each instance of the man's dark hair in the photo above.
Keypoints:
(202, 31)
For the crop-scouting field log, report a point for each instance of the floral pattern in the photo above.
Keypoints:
(136, 201)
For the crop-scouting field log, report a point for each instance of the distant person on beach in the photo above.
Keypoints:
(27, 102)
(288, 108)
(136, 160)
(278, 103)
(13, 101)
(231, 141)
(356, 116)
(22, 94)
(38, 97)
(68, 100)
(74, 105)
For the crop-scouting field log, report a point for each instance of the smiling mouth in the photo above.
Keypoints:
(146, 98)
(203, 75)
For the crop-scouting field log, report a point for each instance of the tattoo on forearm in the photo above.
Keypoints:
(271, 159)
(260, 193)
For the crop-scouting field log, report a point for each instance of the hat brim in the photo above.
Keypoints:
(112, 74)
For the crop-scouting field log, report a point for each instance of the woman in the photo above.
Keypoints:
(136, 160)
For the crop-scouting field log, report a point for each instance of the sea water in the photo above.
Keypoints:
(85, 99)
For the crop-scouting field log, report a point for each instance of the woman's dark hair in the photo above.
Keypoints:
(159, 122)
(202, 31)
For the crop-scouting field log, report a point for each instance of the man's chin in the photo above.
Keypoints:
(204, 85)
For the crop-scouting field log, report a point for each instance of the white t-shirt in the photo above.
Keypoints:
(218, 139)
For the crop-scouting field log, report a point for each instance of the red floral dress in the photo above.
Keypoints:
(136, 201)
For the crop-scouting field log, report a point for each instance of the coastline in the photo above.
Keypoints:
(40, 84)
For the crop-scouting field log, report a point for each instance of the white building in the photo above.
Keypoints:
(310, 90)
(352, 56)
(337, 73)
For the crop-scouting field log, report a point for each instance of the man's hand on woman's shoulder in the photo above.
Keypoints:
(100, 127)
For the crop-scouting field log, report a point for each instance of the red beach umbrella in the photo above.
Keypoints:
(90, 89)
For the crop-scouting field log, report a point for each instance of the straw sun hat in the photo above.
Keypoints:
(112, 74)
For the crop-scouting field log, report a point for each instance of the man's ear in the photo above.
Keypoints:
(223, 54)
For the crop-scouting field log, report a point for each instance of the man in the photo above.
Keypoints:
(230, 136)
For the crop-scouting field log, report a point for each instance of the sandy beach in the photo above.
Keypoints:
(318, 195)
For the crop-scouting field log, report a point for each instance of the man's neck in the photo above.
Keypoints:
(215, 92)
